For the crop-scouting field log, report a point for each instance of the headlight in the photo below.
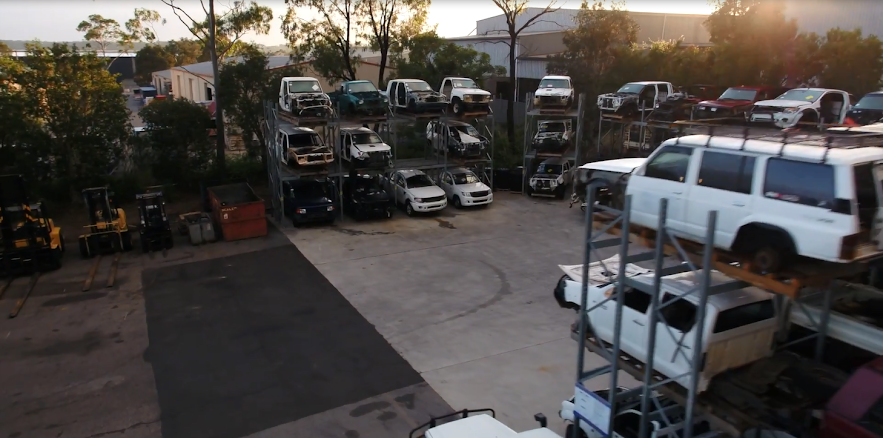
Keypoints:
(385, 99)
(418, 199)
(330, 208)
(467, 98)
(361, 102)
(563, 97)
(464, 194)
(789, 110)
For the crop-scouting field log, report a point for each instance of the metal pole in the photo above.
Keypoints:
(651, 321)
(600, 128)
(823, 323)
(584, 290)
(579, 130)
(696, 363)
(493, 136)
(620, 298)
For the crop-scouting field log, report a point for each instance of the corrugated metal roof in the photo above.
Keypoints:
(23, 53)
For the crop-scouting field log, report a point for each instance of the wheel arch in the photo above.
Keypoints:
(741, 242)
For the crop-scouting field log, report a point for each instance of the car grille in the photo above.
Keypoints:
(480, 98)
(434, 199)
(316, 213)
(544, 183)
(480, 194)
(550, 100)
(431, 99)
(312, 102)
(315, 158)
(377, 158)
(607, 102)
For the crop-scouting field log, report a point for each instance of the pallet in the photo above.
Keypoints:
(473, 115)
(789, 284)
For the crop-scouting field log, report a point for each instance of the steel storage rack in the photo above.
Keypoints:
(702, 259)
(532, 115)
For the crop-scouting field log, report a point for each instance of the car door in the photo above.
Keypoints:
(724, 184)
(634, 319)
(675, 336)
(664, 176)
(446, 183)
(401, 188)
(661, 94)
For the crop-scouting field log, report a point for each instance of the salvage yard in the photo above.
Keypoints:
(359, 329)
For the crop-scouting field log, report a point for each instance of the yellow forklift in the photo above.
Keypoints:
(30, 242)
(107, 231)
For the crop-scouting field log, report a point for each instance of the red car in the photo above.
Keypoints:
(734, 102)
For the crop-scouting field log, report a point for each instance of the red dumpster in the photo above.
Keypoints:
(238, 211)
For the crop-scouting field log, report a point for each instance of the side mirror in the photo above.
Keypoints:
(541, 419)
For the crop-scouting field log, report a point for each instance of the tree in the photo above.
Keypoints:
(247, 85)
(141, 28)
(101, 31)
(601, 49)
(178, 146)
(149, 59)
(328, 41)
(4, 49)
(186, 51)
(388, 22)
(752, 41)
(220, 34)
(80, 112)
(512, 9)
(432, 58)
(851, 62)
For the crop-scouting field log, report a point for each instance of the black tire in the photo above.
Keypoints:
(389, 213)
(408, 209)
(351, 109)
(769, 251)
(61, 242)
(457, 106)
(457, 203)
(768, 259)
(568, 432)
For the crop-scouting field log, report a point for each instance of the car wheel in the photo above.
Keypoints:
(457, 106)
(767, 259)
(389, 213)
(568, 432)
(408, 209)
(457, 203)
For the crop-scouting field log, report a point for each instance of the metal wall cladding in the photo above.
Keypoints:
(240, 213)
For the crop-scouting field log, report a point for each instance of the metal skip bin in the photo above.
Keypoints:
(240, 213)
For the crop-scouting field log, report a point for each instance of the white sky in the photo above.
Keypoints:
(56, 20)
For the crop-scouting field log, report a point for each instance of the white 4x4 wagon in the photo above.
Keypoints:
(775, 200)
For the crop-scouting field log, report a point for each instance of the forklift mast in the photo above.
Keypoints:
(17, 220)
(100, 206)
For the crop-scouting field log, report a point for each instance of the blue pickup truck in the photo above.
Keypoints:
(359, 98)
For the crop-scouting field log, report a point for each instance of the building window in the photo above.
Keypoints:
(208, 93)
(192, 90)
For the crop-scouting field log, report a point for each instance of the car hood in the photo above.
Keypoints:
(376, 147)
(546, 176)
(553, 92)
(468, 139)
(783, 103)
(381, 196)
(474, 187)
(865, 116)
(367, 94)
(474, 91)
(623, 95)
(427, 192)
(310, 95)
(724, 103)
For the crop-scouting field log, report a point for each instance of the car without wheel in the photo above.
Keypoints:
(776, 201)
(464, 188)
(734, 102)
(302, 146)
(364, 197)
(364, 149)
(415, 191)
(553, 135)
(414, 96)
(634, 97)
(465, 95)
(807, 105)
(551, 178)
(554, 92)
(461, 139)
(868, 110)
(609, 178)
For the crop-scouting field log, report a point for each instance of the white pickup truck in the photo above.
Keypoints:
(481, 425)
(465, 95)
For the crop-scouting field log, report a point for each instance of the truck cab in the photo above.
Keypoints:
(465, 95)
(302, 146)
(303, 97)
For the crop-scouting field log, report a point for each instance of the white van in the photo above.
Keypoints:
(775, 200)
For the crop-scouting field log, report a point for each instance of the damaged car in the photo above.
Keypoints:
(460, 139)
(679, 105)
(553, 135)
(734, 102)
(802, 105)
(302, 146)
(554, 92)
(634, 97)
(364, 197)
(551, 178)
(303, 97)
(415, 96)
(359, 98)
(868, 110)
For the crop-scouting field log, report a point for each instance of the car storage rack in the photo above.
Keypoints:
(531, 158)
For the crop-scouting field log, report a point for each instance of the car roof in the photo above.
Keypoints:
(458, 77)
(648, 82)
(356, 129)
(556, 77)
(621, 165)
(684, 284)
(299, 78)
(816, 89)
(407, 173)
(540, 122)
(357, 81)
(458, 170)
(554, 160)
(410, 80)
(874, 92)
(291, 129)
(793, 149)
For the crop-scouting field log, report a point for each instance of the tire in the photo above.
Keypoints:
(767, 259)
(568, 432)
(61, 242)
(528, 190)
(457, 106)
(457, 203)
(408, 209)
(768, 250)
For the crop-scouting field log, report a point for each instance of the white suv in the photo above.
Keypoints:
(775, 200)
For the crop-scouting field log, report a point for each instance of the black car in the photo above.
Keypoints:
(364, 198)
(309, 200)
(868, 110)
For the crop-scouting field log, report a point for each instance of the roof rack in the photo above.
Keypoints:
(826, 139)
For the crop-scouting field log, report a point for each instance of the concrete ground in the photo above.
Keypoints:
(463, 296)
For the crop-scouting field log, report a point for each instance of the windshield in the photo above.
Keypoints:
(464, 83)
(871, 101)
(417, 181)
(311, 190)
(738, 94)
(553, 127)
(631, 88)
(802, 95)
(367, 186)
(549, 169)
(361, 87)
(555, 83)
(419, 86)
(366, 138)
(468, 130)
(301, 140)
(465, 178)
(304, 87)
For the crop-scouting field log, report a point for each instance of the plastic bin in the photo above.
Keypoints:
(207, 229)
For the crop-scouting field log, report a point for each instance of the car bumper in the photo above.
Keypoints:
(314, 159)
(781, 120)
(310, 217)
(484, 200)
(558, 293)
(545, 190)
(425, 207)
(550, 101)
(483, 106)
(373, 210)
